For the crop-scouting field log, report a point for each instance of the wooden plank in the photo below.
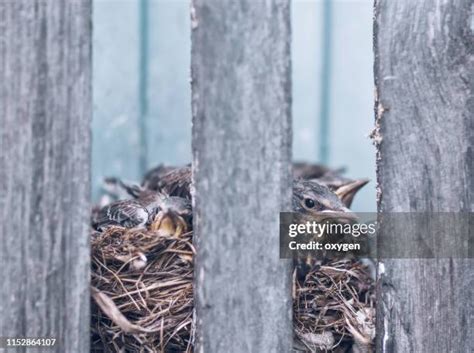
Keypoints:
(241, 146)
(45, 102)
(424, 133)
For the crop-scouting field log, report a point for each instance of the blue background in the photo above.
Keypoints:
(142, 100)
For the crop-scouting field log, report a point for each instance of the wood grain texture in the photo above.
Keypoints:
(45, 104)
(241, 171)
(424, 132)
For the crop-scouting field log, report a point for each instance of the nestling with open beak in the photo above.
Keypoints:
(169, 216)
(173, 217)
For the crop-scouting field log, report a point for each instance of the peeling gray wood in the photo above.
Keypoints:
(241, 146)
(45, 110)
(425, 108)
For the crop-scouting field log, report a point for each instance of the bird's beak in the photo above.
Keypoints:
(169, 224)
(347, 192)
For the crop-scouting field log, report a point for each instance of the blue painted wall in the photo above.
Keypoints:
(115, 144)
(350, 97)
(142, 98)
(142, 90)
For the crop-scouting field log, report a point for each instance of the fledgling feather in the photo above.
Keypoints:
(124, 213)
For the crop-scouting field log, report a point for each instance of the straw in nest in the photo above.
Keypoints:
(142, 290)
(143, 298)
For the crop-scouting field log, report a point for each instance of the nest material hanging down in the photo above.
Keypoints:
(142, 292)
(142, 288)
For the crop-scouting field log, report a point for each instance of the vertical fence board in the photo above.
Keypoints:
(424, 133)
(241, 145)
(45, 102)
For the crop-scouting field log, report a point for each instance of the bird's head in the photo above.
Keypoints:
(173, 215)
(343, 187)
(178, 205)
(316, 201)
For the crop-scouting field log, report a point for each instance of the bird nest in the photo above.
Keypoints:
(142, 288)
(334, 308)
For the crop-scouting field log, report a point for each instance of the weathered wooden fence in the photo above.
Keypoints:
(45, 114)
(241, 146)
(424, 65)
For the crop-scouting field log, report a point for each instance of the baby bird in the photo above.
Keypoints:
(342, 186)
(176, 181)
(311, 197)
(312, 201)
(173, 218)
(168, 214)
(124, 213)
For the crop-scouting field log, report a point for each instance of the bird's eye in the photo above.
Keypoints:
(309, 203)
